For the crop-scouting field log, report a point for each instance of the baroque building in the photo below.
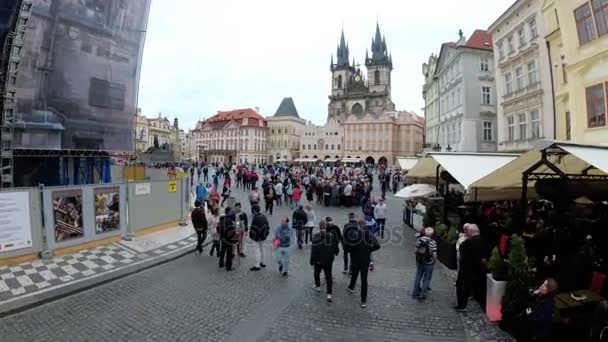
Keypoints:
(322, 142)
(285, 128)
(159, 128)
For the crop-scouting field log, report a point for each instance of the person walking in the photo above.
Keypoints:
(269, 196)
(201, 192)
(254, 197)
(361, 250)
(199, 221)
(332, 228)
(324, 248)
(225, 194)
(282, 242)
(258, 232)
(205, 173)
(349, 236)
(228, 239)
(311, 218)
(296, 196)
(471, 271)
(380, 216)
(278, 192)
(216, 181)
(426, 256)
(287, 191)
(299, 218)
(213, 221)
(241, 228)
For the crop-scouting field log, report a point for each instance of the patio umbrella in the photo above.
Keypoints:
(416, 190)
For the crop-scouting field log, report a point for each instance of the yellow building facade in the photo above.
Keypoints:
(577, 37)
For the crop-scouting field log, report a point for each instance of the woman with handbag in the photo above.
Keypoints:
(282, 245)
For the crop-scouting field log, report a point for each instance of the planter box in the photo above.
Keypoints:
(446, 252)
(495, 290)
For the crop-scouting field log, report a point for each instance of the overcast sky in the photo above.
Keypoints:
(205, 56)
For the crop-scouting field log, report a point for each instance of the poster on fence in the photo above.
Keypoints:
(107, 210)
(67, 212)
(15, 227)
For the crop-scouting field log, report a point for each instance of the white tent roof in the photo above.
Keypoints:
(351, 160)
(305, 160)
(466, 168)
(407, 163)
(331, 160)
(416, 190)
(596, 156)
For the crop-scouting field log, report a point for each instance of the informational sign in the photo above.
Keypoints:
(67, 210)
(107, 210)
(15, 226)
(142, 189)
(172, 186)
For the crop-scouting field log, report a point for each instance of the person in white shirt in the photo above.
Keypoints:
(380, 215)
(278, 190)
(348, 194)
(311, 218)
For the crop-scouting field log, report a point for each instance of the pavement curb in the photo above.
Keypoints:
(19, 305)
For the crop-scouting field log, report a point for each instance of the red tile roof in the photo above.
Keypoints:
(221, 118)
(480, 39)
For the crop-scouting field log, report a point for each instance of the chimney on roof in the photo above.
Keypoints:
(257, 110)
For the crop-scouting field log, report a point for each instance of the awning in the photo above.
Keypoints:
(305, 160)
(416, 190)
(577, 159)
(331, 160)
(351, 160)
(407, 163)
(466, 168)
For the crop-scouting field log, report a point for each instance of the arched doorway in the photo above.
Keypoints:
(337, 157)
(230, 160)
(348, 157)
(357, 109)
(327, 157)
(382, 161)
(370, 160)
(315, 157)
(305, 156)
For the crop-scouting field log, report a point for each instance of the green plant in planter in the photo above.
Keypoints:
(430, 217)
(497, 266)
(452, 235)
(441, 230)
(515, 301)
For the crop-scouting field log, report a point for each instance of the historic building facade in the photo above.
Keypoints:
(523, 77)
(285, 128)
(159, 128)
(460, 96)
(236, 136)
(322, 142)
(578, 41)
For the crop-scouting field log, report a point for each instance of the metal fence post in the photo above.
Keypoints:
(129, 234)
(46, 253)
(184, 220)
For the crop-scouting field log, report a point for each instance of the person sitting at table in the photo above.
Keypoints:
(540, 313)
(599, 326)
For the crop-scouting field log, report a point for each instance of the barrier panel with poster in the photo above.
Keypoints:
(107, 209)
(15, 227)
(67, 215)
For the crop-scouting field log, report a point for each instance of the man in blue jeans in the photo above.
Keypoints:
(426, 256)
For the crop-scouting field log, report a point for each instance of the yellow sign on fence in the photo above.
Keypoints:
(172, 186)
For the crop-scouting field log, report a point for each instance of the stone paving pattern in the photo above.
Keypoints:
(190, 299)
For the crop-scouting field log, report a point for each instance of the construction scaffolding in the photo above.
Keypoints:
(9, 67)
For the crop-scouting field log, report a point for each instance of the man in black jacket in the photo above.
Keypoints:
(299, 219)
(199, 221)
(335, 230)
(361, 251)
(349, 236)
(227, 230)
(258, 232)
(324, 248)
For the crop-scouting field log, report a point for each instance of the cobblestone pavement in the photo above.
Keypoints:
(190, 299)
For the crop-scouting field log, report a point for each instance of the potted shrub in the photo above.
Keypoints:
(496, 284)
(516, 296)
(446, 245)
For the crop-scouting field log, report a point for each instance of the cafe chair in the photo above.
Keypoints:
(597, 282)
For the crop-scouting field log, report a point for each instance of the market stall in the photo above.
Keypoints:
(414, 210)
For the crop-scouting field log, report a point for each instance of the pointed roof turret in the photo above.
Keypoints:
(287, 108)
(380, 54)
(342, 52)
(366, 55)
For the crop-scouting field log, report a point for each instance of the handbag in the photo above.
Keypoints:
(276, 243)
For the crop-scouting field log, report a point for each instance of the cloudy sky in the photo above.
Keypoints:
(202, 56)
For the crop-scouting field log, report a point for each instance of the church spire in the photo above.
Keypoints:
(380, 54)
(342, 52)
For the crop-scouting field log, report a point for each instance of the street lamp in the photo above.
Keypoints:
(437, 147)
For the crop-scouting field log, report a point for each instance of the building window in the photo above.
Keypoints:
(485, 64)
(521, 35)
(533, 30)
(332, 147)
(600, 12)
(315, 146)
(486, 97)
(510, 44)
(376, 77)
(596, 106)
(523, 126)
(508, 84)
(568, 130)
(338, 146)
(519, 78)
(535, 124)
(308, 146)
(584, 24)
(339, 82)
(487, 131)
(326, 147)
(107, 94)
(532, 73)
(501, 50)
(303, 147)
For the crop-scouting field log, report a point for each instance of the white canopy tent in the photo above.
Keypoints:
(306, 160)
(351, 160)
(407, 164)
(331, 160)
(416, 190)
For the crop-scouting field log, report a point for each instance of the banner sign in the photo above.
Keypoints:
(15, 226)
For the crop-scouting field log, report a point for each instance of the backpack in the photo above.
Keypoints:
(284, 236)
(270, 194)
(423, 252)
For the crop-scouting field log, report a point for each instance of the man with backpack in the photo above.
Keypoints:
(258, 233)
(228, 239)
(426, 256)
(282, 237)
